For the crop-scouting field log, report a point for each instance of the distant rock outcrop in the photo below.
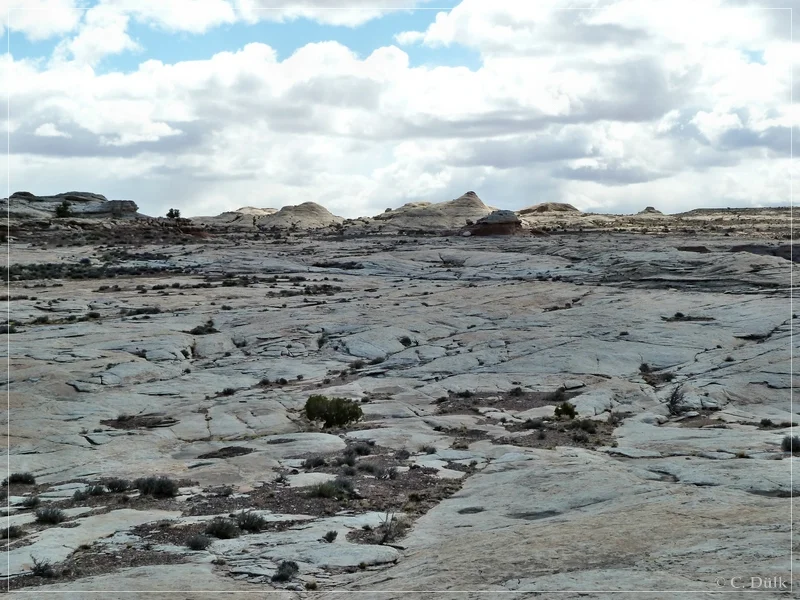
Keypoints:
(546, 207)
(500, 222)
(452, 214)
(247, 216)
(25, 205)
(308, 215)
(649, 211)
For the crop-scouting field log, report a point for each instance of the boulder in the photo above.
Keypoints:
(500, 222)
(25, 205)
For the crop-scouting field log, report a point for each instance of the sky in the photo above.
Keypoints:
(361, 105)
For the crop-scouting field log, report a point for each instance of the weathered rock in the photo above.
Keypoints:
(24, 205)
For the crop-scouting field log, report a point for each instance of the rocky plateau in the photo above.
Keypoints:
(159, 370)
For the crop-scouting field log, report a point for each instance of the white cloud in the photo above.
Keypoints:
(102, 32)
(49, 130)
(613, 111)
(39, 19)
(192, 16)
(348, 14)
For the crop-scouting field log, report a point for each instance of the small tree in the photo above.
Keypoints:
(173, 213)
(63, 210)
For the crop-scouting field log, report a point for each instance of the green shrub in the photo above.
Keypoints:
(22, 478)
(250, 521)
(31, 502)
(11, 533)
(338, 488)
(286, 571)
(565, 409)
(316, 407)
(63, 210)
(330, 536)
(222, 528)
(117, 485)
(791, 444)
(335, 412)
(158, 487)
(362, 449)
(50, 515)
(43, 568)
(314, 462)
(198, 542)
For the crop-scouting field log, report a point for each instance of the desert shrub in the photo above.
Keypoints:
(31, 502)
(348, 471)
(80, 495)
(465, 394)
(517, 391)
(198, 542)
(767, 423)
(228, 391)
(50, 515)
(402, 454)
(586, 425)
(43, 568)
(93, 315)
(372, 468)
(565, 409)
(428, 449)
(11, 533)
(63, 210)
(532, 423)
(362, 449)
(316, 407)
(144, 310)
(580, 437)
(357, 364)
(158, 487)
(335, 412)
(330, 536)
(675, 404)
(791, 444)
(377, 360)
(392, 528)
(41, 320)
(314, 462)
(406, 341)
(22, 478)
(338, 488)
(205, 329)
(117, 485)
(286, 571)
(222, 528)
(250, 521)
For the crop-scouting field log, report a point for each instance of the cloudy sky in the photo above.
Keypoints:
(210, 105)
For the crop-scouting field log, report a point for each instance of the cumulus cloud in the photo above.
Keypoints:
(39, 19)
(610, 109)
(49, 130)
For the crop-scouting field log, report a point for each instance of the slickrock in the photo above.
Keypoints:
(463, 469)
